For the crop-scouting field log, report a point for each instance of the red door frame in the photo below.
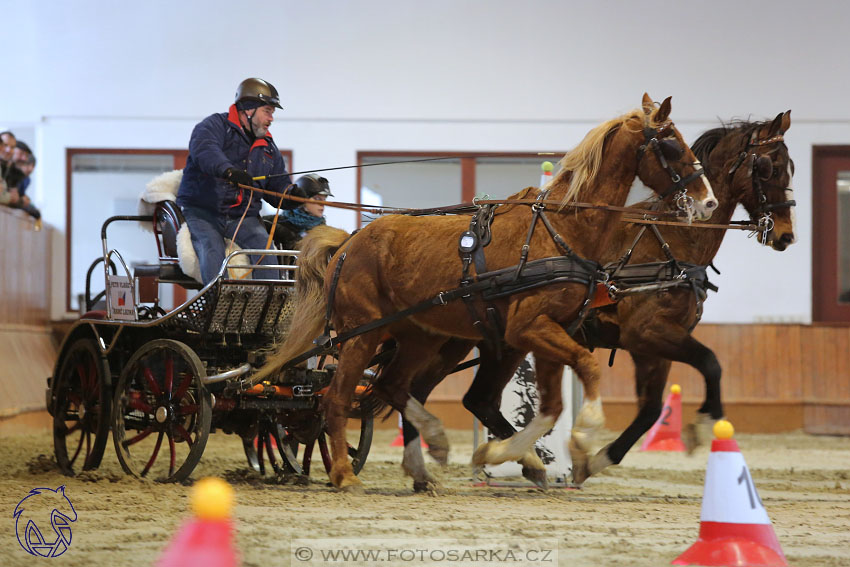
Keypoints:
(827, 161)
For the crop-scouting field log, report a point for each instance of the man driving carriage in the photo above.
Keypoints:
(227, 150)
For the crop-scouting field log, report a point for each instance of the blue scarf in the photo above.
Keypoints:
(300, 219)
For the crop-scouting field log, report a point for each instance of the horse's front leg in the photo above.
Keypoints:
(483, 399)
(553, 348)
(650, 377)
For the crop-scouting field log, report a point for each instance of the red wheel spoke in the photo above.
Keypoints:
(79, 447)
(140, 405)
(169, 374)
(73, 428)
(173, 456)
(149, 378)
(323, 448)
(82, 374)
(93, 385)
(138, 437)
(185, 382)
(270, 450)
(184, 434)
(308, 457)
(188, 410)
(154, 454)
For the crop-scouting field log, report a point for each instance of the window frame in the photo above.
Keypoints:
(179, 162)
(467, 166)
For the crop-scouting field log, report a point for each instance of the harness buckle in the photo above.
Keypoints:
(441, 300)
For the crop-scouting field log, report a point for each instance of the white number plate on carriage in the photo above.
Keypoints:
(121, 301)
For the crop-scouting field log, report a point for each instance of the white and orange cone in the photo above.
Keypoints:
(207, 539)
(734, 527)
(666, 433)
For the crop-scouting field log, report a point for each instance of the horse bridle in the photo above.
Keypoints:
(655, 140)
(763, 214)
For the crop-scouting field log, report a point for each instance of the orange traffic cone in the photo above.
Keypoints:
(207, 539)
(399, 439)
(666, 434)
(734, 527)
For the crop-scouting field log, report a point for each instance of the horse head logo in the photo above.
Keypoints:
(60, 512)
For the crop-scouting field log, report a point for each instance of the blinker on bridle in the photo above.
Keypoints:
(655, 140)
(760, 174)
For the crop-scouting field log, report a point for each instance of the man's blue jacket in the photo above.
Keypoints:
(218, 143)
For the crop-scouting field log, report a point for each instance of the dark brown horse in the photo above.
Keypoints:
(747, 163)
(398, 261)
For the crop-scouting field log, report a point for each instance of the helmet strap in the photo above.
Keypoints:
(250, 129)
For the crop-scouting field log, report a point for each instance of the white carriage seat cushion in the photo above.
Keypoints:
(164, 187)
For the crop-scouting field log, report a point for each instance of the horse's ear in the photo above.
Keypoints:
(648, 104)
(663, 111)
(776, 125)
(786, 121)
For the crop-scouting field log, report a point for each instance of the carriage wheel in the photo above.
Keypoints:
(81, 414)
(299, 456)
(266, 439)
(162, 412)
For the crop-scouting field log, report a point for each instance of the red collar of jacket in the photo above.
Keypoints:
(233, 118)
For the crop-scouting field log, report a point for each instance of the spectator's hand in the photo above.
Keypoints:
(14, 196)
(26, 201)
(238, 176)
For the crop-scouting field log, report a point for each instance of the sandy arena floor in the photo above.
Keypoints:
(644, 512)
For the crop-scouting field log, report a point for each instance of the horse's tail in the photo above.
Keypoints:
(308, 319)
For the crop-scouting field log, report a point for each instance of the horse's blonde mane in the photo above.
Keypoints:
(580, 165)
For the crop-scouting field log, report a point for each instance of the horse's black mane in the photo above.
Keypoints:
(705, 144)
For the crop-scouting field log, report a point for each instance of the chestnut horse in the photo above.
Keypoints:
(397, 262)
(747, 163)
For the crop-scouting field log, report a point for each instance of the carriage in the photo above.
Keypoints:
(162, 381)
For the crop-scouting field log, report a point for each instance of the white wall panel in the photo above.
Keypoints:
(445, 75)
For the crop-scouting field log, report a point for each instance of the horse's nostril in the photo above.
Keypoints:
(787, 238)
(710, 204)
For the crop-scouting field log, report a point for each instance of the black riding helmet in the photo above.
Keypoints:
(312, 184)
(257, 90)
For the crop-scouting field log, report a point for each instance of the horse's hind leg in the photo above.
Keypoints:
(422, 385)
(415, 351)
(354, 356)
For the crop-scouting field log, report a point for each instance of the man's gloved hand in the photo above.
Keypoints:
(238, 176)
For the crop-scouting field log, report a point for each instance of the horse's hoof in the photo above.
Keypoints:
(537, 476)
(599, 461)
(479, 457)
(439, 454)
(427, 486)
(580, 462)
(356, 489)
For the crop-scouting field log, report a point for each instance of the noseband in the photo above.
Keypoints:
(652, 137)
(763, 214)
